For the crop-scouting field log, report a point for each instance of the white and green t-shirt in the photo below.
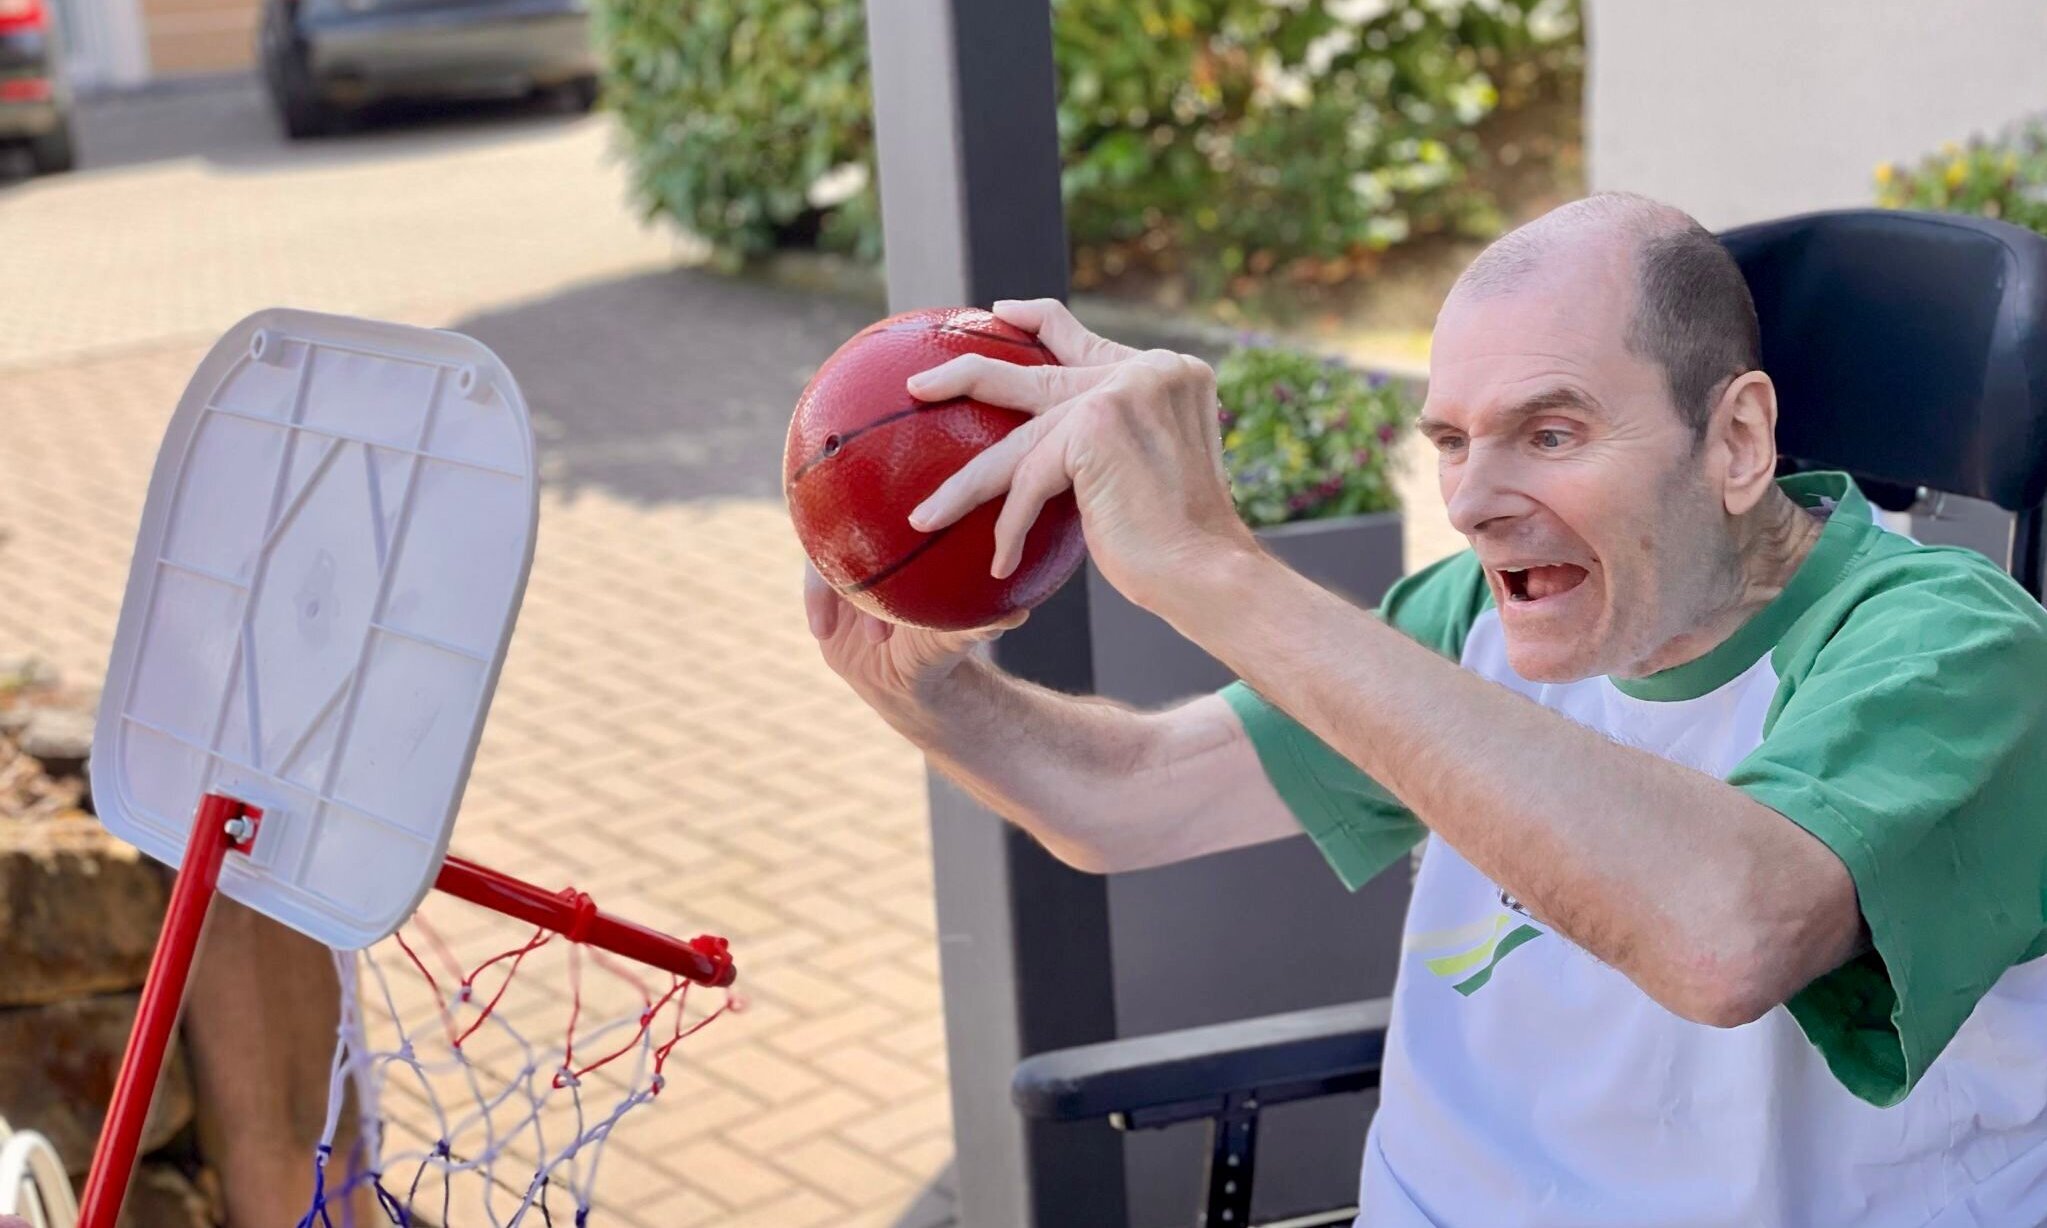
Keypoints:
(1892, 701)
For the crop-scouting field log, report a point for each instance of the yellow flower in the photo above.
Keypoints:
(1885, 172)
(1957, 170)
(2011, 164)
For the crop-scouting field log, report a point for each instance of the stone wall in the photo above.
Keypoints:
(79, 914)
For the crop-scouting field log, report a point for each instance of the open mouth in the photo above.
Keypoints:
(1526, 585)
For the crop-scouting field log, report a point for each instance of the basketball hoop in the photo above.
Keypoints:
(333, 551)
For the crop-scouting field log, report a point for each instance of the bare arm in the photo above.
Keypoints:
(1103, 786)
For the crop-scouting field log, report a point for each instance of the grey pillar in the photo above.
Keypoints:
(966, 129)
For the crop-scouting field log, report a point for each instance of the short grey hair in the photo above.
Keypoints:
(1693, 315)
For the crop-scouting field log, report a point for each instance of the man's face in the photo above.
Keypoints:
(1566, 465)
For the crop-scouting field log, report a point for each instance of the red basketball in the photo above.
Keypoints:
(862, 453)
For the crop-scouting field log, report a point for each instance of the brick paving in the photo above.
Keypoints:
(664, 733)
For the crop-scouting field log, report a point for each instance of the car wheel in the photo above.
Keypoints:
(299, 107)
(53, 152)
(578, 96)
(305, 119)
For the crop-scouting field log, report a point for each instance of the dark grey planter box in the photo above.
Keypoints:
(1249, 932)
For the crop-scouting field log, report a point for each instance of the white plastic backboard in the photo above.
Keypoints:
(333, 550)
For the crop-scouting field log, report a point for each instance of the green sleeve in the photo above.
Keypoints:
(1359, 826)
(1912, 740)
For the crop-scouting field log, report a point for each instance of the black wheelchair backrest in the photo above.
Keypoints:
(1907, 348)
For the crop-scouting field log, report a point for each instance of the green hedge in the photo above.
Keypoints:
(1211, 135)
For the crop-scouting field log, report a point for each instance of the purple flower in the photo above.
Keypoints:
(1375, 379)
(1386, 433)
(1363, 456)
(1283, 394)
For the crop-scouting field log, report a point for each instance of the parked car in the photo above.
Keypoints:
(35, 104)
(325, 60)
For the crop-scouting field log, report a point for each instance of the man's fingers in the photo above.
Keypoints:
(1031, 389)
(1041, 476)
(820, 603)
(979, 480)
(1068, 339)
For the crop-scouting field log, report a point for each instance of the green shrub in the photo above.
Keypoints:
(1307, 437)
(2000, 177)
(1215, 135)
(742, 116)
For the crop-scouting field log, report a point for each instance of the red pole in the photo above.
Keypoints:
(163, 996)
(573, 915)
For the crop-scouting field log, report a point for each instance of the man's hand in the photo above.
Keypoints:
(1133, 433)
(892, 667)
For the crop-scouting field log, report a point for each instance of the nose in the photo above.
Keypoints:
(1481, 494)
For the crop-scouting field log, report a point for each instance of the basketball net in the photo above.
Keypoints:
(464, 1115)
(441, 1109)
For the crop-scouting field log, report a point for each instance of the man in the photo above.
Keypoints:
(1736, 812)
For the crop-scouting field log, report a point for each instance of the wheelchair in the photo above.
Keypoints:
(1909, 349)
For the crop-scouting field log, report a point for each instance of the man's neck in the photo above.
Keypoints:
(1770, 544)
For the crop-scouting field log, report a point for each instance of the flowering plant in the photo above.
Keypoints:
(1307, 437)
(2002, 177)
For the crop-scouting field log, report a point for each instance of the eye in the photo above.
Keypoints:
(1550, 440)
(1449, 444)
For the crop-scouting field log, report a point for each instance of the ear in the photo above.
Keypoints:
(1744, 432)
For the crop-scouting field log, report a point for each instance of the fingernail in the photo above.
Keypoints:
(920, 515)
(919, 381)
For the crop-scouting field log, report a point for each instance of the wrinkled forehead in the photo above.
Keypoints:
(1564, 324)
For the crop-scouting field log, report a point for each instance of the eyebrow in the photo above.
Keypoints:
(1549, 400)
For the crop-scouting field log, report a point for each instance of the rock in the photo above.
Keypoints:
(57, 1068)
(162, 1197)
(61, 741)
(79, 912)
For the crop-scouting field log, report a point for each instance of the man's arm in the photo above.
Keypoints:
(1103, 786)
(1106, 788)
(1717, 906)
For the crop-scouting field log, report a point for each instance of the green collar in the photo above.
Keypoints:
(1848, 530)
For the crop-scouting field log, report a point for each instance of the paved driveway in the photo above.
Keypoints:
(664, 735)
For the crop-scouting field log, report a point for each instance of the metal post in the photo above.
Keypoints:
(221, 824)
(967, 133)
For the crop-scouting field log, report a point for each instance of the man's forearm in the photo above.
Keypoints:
(1064, 768)
(1664, 872)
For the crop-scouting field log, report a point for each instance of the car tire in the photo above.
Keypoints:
(299, 108)
(54, 152)
(578, 96)
(305, 119)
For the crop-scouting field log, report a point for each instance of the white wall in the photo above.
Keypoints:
(1743, 110)
(1739, 110)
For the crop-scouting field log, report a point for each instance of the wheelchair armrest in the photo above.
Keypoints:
(1146, 1081)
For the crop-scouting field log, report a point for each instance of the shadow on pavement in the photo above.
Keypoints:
(667, 386)
(678, 385)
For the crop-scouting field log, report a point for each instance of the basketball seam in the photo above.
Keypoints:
(909, 556)
(1030, 342)
(920, 407)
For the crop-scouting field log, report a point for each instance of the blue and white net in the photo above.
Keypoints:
(458, 1098)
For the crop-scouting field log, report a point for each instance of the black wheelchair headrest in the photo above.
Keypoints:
(1907, 348)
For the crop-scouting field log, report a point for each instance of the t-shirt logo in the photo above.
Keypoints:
(1467, 954)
